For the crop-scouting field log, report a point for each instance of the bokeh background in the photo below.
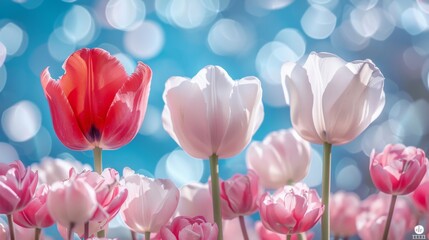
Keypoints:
(246, 37)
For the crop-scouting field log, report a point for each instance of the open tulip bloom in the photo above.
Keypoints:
(212, 116)
(332, 101)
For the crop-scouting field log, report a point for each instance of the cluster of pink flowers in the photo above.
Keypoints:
(95, 105)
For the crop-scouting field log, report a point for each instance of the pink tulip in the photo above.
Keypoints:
(398, 170)
(17, 186)
(212, 114)
(265, 234)
(332, 100)
(72, 202)
(35, 214)
(239, 195)
(51, 170)
(184, 228)
(421, 197)
(150, 203)
(232, 229)
(344, 207)
(371, 226)
(282, 158)
(292, 209)
(195, 193)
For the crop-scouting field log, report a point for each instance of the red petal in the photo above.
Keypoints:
(91, 80)
(63, 118)
(128, 109)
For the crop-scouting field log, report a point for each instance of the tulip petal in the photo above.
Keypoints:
(183, 117)
(91, 80)
(361, 86)
(295, 81)
(244, 118)
(8, 198)
(127, 111)
(61, 112)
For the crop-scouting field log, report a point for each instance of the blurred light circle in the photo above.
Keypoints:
(21, 121)
(386, 25)
(3, 77)
(3, 53)
(365, 22)
(8, 153)
(12, 38)
(125, 14)
(228, 37)
(318, 22)
(78, 25)
(216, 5)
(346, 37)
(273, 4)
(126, 61)
(293, 39)
(314, 176)
(271, 57)
(29, 4)
(349, 178)
(364, 4)
(59, 48)
(331, 4)
(414, 21)
(42, 143)
(146, 41)
(190, 13)
(152, 121)
(273, 94)
(162, 8)
(423, 5)
(180, 168)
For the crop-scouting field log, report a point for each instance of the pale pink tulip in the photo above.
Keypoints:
(344, 207)
(51, 170)
(195, 193)
(28, 233)
(212, 114)
(239, 195)
(332, 100)
(185, 228)
(398, 170)
(17, 186)
(72, 202)
(282, 158)
(421, 197)
(4, 231)
(232, 229)
(265, 234)
(35, 214)
(371, 226)
(292, 209)
(150, 202)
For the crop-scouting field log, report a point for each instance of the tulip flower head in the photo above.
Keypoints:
(292, 209)
(398, 170)
(184, 228)
(95, 103)
(239, 195)
(343, 211)
(283, 157)
(17, 186)
(150, 203)
(35, 214)
(331, 100)
(212, 114)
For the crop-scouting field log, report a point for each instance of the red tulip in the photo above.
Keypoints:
(95, 103)
(17, 186)
(421, 197)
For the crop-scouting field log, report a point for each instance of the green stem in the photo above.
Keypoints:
(243, 228)
(98, 166)
(147, 235)
(70, 231)
(326, 186)
(389, 217)
(214, 171)
(133, 235)
(288, 236)
(86, 230)
(302, 236)
(37, 233)
(101, 234)
(11, 228)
